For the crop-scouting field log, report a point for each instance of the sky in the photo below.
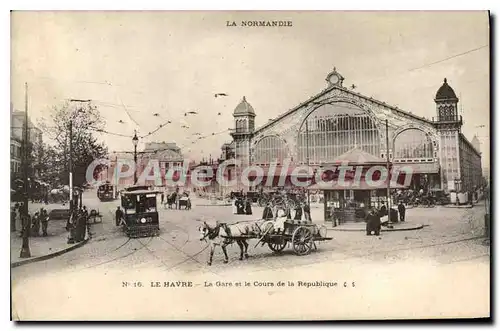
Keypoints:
(171, 63)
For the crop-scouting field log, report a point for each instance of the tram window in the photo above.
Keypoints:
(151, 205)
(128, 203)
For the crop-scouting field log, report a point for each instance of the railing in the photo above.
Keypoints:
(239, 130)
(448, 119)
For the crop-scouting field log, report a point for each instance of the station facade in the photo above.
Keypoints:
(338, 121)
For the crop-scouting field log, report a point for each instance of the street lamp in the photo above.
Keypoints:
(135, 141)
(26, 225)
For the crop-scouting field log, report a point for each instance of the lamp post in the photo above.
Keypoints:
(135, 141)
(25, 248)
(388, 165)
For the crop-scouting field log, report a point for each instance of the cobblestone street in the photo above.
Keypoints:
(449, 237)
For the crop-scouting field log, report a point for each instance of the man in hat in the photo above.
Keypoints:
(402, 211)
(268, 213)
(118, 216)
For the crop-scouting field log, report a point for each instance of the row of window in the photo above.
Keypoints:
(325, 146)
(15, 151)
(15, 166)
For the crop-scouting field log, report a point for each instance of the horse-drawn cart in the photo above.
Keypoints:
(302, 237)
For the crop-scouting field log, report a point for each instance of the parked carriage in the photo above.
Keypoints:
(178, 201)
(141, 214)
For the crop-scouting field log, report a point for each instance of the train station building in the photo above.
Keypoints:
(338, 123)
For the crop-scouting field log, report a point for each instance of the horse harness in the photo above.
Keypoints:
(211, 233)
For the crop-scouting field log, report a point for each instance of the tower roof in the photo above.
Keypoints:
(244, 108)
(445, 92)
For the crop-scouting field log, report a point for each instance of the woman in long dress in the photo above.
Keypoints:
(248, 207)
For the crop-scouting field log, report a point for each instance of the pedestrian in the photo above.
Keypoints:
(235, 206)
(402, 211)
(13, 217)
(35, 228)
(373, 223)
(118, 216)
(268, 212)
(240, 206)
(307, 213)
(298, 213)
(162, 197)
(85, 213)
(248, 206)
(44, 218)
(25, 224)
(383, 210)
(81, 226)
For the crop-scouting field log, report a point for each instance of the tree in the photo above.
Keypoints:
(86, 120)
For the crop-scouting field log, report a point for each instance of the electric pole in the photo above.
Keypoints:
(307, 160)
(388, 172)
(25, 249)
(70, 166)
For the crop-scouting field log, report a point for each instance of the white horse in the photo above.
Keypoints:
(223, 234)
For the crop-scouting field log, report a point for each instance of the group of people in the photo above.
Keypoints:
(78, 225)
(242, 206)
(302, 210)
(282, 215)
(373, 223)
(33, 223)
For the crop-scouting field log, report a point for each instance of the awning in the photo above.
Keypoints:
(419, 168)
(348, 185)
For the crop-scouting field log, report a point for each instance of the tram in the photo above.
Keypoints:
(105, 192)
(140, 212)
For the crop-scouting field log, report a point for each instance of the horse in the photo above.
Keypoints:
(223, 234)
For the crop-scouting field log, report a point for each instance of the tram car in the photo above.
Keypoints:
(140, 212)
(105, 192)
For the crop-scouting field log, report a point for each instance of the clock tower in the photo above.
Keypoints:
(334, 78)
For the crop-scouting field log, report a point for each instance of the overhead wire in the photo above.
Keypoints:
(376, 80)
(162, 125)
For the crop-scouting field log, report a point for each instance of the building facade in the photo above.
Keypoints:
(338, 120)
(168, 155)
(35, 137)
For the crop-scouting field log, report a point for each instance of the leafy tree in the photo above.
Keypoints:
(86, 120)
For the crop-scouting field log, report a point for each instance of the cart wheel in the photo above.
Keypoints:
(277, 246)
(302, 240)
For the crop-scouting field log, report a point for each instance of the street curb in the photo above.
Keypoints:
(414, 227)
(210, 205)
(49, 256)
(460, 207)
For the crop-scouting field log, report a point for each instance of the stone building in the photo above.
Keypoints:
(168, 155)
(338, 120)
(35, 137)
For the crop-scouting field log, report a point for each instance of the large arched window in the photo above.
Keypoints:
(413, 143)
(333, 129)
(270, 149)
